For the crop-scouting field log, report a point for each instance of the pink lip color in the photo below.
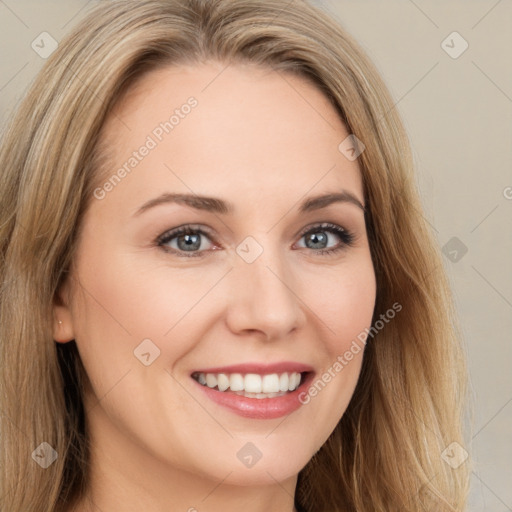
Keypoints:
(260, 369)
(258, 408)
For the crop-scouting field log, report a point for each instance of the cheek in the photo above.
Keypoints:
(344, 300)
(345, 305)
(124, 297)
(125, 308)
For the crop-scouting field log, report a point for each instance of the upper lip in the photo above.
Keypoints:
(259, 368)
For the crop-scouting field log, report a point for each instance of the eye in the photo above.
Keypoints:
(190, 240)
(185, 239)
(317, 238)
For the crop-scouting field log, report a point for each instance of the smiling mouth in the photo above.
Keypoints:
(252, 385)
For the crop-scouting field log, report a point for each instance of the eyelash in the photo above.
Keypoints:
(347, 238)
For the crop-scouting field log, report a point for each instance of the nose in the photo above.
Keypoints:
(263, 297)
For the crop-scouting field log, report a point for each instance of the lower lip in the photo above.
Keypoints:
(259, 408)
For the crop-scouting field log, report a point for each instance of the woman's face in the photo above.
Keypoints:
(256, 288)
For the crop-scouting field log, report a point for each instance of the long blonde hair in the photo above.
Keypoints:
(385, 454)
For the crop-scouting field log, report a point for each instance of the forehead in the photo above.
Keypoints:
(220, 129)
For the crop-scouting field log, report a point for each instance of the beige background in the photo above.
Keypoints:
(458, 113)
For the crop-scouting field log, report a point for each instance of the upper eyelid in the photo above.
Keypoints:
(322, 225)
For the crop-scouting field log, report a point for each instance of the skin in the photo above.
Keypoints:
(263, 141)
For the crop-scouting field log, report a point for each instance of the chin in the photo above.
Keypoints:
(271, 467)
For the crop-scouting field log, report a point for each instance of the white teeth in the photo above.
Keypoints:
(236, 382)
(211, 380)
(223, 382)
(294, 381)
(270, 383)
(251, 384)
(283, 382)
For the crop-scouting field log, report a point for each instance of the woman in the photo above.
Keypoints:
(218, 289)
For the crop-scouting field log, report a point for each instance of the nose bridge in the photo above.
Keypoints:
(263, 298)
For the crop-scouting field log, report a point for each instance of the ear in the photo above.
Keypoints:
(62, 319)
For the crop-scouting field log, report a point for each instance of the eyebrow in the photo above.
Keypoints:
(215, 205)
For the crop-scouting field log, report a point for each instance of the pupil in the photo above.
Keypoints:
(318, 238)
(191, 242)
